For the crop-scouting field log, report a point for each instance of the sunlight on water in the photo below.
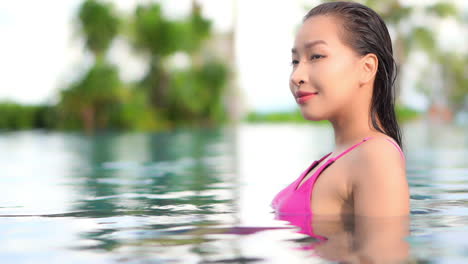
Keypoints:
(203, 196)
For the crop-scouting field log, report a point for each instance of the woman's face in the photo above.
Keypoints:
(324, 65)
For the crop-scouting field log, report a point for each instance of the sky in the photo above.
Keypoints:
(40, 51)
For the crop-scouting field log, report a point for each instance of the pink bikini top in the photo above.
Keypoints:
(293, 204)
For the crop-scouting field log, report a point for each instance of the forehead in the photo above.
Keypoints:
(326, 28)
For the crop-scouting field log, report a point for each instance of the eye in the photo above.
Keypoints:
(315, 56)
(294, 62)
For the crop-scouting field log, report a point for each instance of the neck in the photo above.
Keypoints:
(351, 131)
(351, 127)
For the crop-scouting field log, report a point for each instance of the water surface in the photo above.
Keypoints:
(202, 196)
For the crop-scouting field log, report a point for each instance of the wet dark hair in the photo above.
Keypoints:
(365, 32)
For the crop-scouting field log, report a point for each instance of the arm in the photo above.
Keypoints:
(380, 187)
(381, 203)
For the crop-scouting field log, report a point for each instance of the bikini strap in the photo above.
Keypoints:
(365, 139)
(397, 147)
(320, 160)
(349, 149)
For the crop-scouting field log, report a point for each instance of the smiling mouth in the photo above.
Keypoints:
(303, 98)
(300, 93)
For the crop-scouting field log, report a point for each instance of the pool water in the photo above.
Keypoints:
(203, 196)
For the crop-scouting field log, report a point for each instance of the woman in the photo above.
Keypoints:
(343, 71)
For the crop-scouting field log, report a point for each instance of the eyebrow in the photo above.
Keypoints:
(310, 44)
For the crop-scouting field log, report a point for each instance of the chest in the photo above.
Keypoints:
(330, 187)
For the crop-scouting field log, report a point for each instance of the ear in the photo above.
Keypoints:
(368, 67)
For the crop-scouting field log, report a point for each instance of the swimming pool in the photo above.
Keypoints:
(202, 196)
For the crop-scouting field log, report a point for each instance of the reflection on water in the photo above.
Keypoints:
(353, 239)
(203, 195)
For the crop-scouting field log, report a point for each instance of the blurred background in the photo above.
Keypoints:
(145, 131)
(153, 65)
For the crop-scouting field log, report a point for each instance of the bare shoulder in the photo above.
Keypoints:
(382, 150)
(379, 181)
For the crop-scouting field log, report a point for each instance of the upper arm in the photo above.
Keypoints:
(380, 187)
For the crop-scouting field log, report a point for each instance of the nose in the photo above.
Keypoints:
(298, 76)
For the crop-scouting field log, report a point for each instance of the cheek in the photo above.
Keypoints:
(338, 77)
(291, 85)
(339, 68)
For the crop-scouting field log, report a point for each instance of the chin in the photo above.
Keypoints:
(311, 116)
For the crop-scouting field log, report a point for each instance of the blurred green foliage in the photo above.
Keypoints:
(455, 75)
(167, 97)
(192, 95)
(279, 117)
(196, 94)
(99, 25)
(403, 114)
(163, 98)
(17, 116)
(154, 33)
(443, 9)
(92, 99)
(158, 36)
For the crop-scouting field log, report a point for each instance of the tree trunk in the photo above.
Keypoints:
(87, 116)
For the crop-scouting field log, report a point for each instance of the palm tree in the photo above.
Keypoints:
(98, 25)
(91, 98)
(186, 95)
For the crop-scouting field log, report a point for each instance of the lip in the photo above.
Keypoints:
(302, 97)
